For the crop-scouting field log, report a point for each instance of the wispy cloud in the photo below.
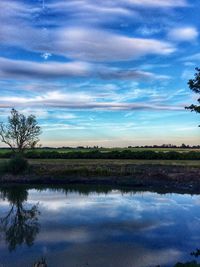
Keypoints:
(85, 44)
(183, 34)
(78, 101)
(90, 9)
(94, 61)
(97, 45)
(158, 3)
(20, 69)
(116, 7)
(27, 69)
(194, 57)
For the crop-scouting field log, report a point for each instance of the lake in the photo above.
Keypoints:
(96, 226)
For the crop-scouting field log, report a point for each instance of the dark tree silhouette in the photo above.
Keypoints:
(20, 132)
(194, 85)
(20, 224)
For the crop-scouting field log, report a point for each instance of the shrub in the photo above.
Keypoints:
(3, 167)
(17, 164)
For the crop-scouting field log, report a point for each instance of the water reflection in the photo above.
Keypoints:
(19, 224)
(84, 226)
(40, 263)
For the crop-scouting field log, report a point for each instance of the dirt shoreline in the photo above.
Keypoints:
(157, 178)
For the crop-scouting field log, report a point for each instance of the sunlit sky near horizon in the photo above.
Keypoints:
(106, 73)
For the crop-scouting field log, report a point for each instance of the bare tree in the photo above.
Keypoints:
(20, 132)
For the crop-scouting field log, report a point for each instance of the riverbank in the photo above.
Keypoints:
(158, 176)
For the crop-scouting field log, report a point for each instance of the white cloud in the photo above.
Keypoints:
(22, 26)
(38, 112)
(158, 3)
(98, 45)
(194, 57)
(21, 69)
(61, 127)
(90, 8)
(147, 31)
(66, 116)
(189, 64)
(183, 34)
(80, 101)
(85, 44)
(117, 6)
(28, 69)
(46, 55)
(98, 12)
(187, 74)
(41, 113)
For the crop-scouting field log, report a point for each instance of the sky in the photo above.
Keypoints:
(109, 73)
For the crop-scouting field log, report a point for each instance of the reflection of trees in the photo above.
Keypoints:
(195, 253)
(187, 264)
(20, 224)
(193, 263)
(41, 263)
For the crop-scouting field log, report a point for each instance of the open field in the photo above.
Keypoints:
(117, 162)
(121, 162)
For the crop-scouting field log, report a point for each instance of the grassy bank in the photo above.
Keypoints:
(175, 176)
(105, 162)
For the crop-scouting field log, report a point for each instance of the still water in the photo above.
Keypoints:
(81, 227)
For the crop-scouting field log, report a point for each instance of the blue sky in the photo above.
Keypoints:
(107, 73)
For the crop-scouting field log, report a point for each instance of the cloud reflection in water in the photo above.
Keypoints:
(109, 229)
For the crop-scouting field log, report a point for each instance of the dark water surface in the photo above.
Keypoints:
(96, 227)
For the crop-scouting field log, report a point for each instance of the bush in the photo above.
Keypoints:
(3, 167)
(114, 154)
(17, 164)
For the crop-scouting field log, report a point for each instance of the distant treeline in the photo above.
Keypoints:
(168, 146)
(129, 147)
(104, 148)
(114, 154)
